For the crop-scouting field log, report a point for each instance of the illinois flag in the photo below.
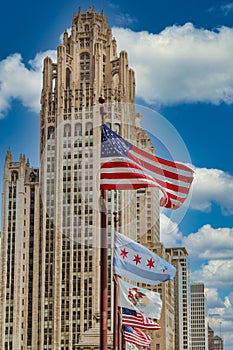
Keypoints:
(126, 167)
(146, 302)
(130, 346)
(139, 264)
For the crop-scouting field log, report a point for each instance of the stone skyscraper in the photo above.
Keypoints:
(19, 263)
(87, 67)
(50, 232)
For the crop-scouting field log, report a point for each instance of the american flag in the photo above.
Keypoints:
(126, 167)
(136, 319)
(136, 336)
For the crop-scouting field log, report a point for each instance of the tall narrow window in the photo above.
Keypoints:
(85, 66)
(68, 74)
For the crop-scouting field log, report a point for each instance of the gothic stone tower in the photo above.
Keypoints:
(87, 67)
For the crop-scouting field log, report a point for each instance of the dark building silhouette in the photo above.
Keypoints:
(215, 342)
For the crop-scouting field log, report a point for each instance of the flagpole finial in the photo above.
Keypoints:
(102, 108)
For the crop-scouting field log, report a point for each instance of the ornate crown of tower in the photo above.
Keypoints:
(87, 67)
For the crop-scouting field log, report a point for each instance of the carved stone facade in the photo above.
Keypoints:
(19, 263)
(87, 67)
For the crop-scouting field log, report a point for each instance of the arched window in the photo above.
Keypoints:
(51, 132)
(89, 128)
(116, 128)
(32, 176)
(67, 130)
(78, 129)
(14, 176)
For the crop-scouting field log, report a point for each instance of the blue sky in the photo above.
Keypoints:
(186, 76)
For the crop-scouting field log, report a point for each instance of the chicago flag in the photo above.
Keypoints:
(139, 264)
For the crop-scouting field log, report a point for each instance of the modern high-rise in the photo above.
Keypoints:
(199, 328)
(179, 258)
(50, 249)
(164, 339)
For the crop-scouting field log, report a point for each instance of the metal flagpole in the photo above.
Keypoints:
(116, 334)
(103, 263)
(103, 276)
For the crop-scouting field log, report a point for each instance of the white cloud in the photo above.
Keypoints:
(212, 186)
(118, 17)
(230, 296)
(213, 298)
(22, 83)
(181, 63)
(215, 274)
(170, 234)
(221, 321)
(227, 8)
(210, 243)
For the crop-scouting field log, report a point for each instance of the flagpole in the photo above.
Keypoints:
(116, 334)
(103, 263)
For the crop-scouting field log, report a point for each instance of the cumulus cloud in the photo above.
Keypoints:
(181, 64)
(120, 18)
(212, 186)
(209, 243)
(17, 81)
(170, 234)
(215, 274)
(213, 298)
(227, 8)
(220, 319)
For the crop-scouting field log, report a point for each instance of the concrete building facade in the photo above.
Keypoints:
(182, 301)
(164, 339)
(199, 331)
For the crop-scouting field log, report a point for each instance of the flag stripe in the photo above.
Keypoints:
(132, 271)
(156, 169)
(125, 186)
(111, 164)
(165, 162)
(123, 173)
(118, 162)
